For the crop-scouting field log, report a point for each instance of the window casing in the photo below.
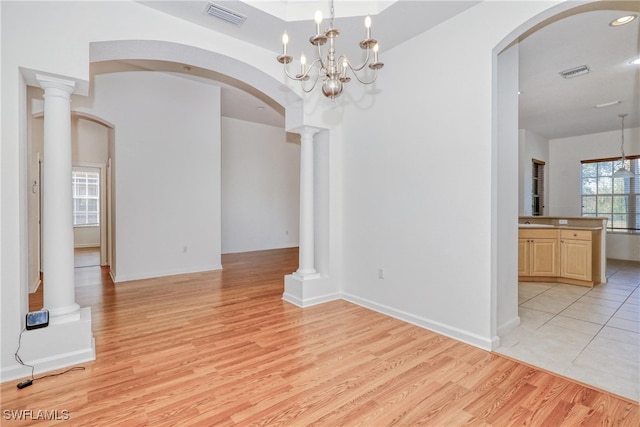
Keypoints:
(86, 197)
(617, 199)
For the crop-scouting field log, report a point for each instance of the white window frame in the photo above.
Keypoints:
(86, 180)
(617, 199)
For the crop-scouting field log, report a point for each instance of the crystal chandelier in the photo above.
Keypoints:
(332, 68)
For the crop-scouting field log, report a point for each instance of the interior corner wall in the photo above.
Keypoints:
(260, 187)
(167, 151)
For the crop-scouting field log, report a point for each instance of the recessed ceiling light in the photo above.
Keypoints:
(259, 108)
(622, 20)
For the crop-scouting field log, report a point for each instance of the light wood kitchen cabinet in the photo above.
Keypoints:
(579, 256)
(538, 253)
(559, 255)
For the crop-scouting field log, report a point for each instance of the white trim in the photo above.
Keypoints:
(118, 278)
(308, 302)
(437, 327)
(508, 326)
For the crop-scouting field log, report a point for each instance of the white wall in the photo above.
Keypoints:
(89, 141)
(260, 187)
(564, 179)
(168, 171)
(504, 190)
(430, 230)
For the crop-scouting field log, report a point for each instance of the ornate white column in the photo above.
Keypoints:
(306, 245)
(57, 210)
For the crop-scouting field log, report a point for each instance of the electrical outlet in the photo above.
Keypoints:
(563, 222)
(381, 273)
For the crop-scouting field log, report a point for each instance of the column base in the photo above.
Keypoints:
(308, 290)
(68, 340)
(64, 311)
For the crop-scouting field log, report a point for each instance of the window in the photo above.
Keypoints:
(537, 190)
(86, 197)
(617, 199)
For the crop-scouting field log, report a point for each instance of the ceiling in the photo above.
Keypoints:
(550, 105)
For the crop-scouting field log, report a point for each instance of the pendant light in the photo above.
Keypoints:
(623, 172)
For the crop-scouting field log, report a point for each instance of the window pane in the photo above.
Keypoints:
(86, 189)
(604, 204)
(589, 205)
(620, 186)
(605, 168)
(605, 185)
(589, 186)
(620, 204)
(589, 170)
(619, 221)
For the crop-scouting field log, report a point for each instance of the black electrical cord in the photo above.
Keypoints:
(28, 382)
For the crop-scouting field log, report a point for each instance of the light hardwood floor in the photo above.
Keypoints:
(222, 348)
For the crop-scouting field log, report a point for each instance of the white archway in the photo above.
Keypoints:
(504, 307)
(242, 74)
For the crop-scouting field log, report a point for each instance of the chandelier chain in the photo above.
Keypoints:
(332, 15)
(622, 116)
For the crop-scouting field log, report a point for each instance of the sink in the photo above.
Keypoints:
(535, 226)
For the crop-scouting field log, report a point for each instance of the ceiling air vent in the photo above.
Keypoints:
(574, 72)
(224, 14)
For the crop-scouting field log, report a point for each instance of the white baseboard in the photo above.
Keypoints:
(308, 302)
(508, 326)
(440, 328)
(118, 278)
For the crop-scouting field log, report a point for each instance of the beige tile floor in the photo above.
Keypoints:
(588, 334)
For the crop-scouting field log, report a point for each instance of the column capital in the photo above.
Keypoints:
(306, 131)
(62, 85)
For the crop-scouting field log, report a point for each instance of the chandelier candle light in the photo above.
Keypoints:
(334, 70)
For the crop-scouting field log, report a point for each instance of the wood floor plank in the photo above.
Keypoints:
(222, 348)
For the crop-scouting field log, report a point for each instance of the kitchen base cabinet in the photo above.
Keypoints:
(579, 259)
(538, 254)
(559, 255)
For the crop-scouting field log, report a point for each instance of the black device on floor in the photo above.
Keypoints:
(37, 319)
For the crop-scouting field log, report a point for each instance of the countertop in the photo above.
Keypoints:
(559, 227)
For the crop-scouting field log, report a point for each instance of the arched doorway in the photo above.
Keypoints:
(505, 191)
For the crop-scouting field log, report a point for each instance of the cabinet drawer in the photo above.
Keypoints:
(576, 234)
(550, 233)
